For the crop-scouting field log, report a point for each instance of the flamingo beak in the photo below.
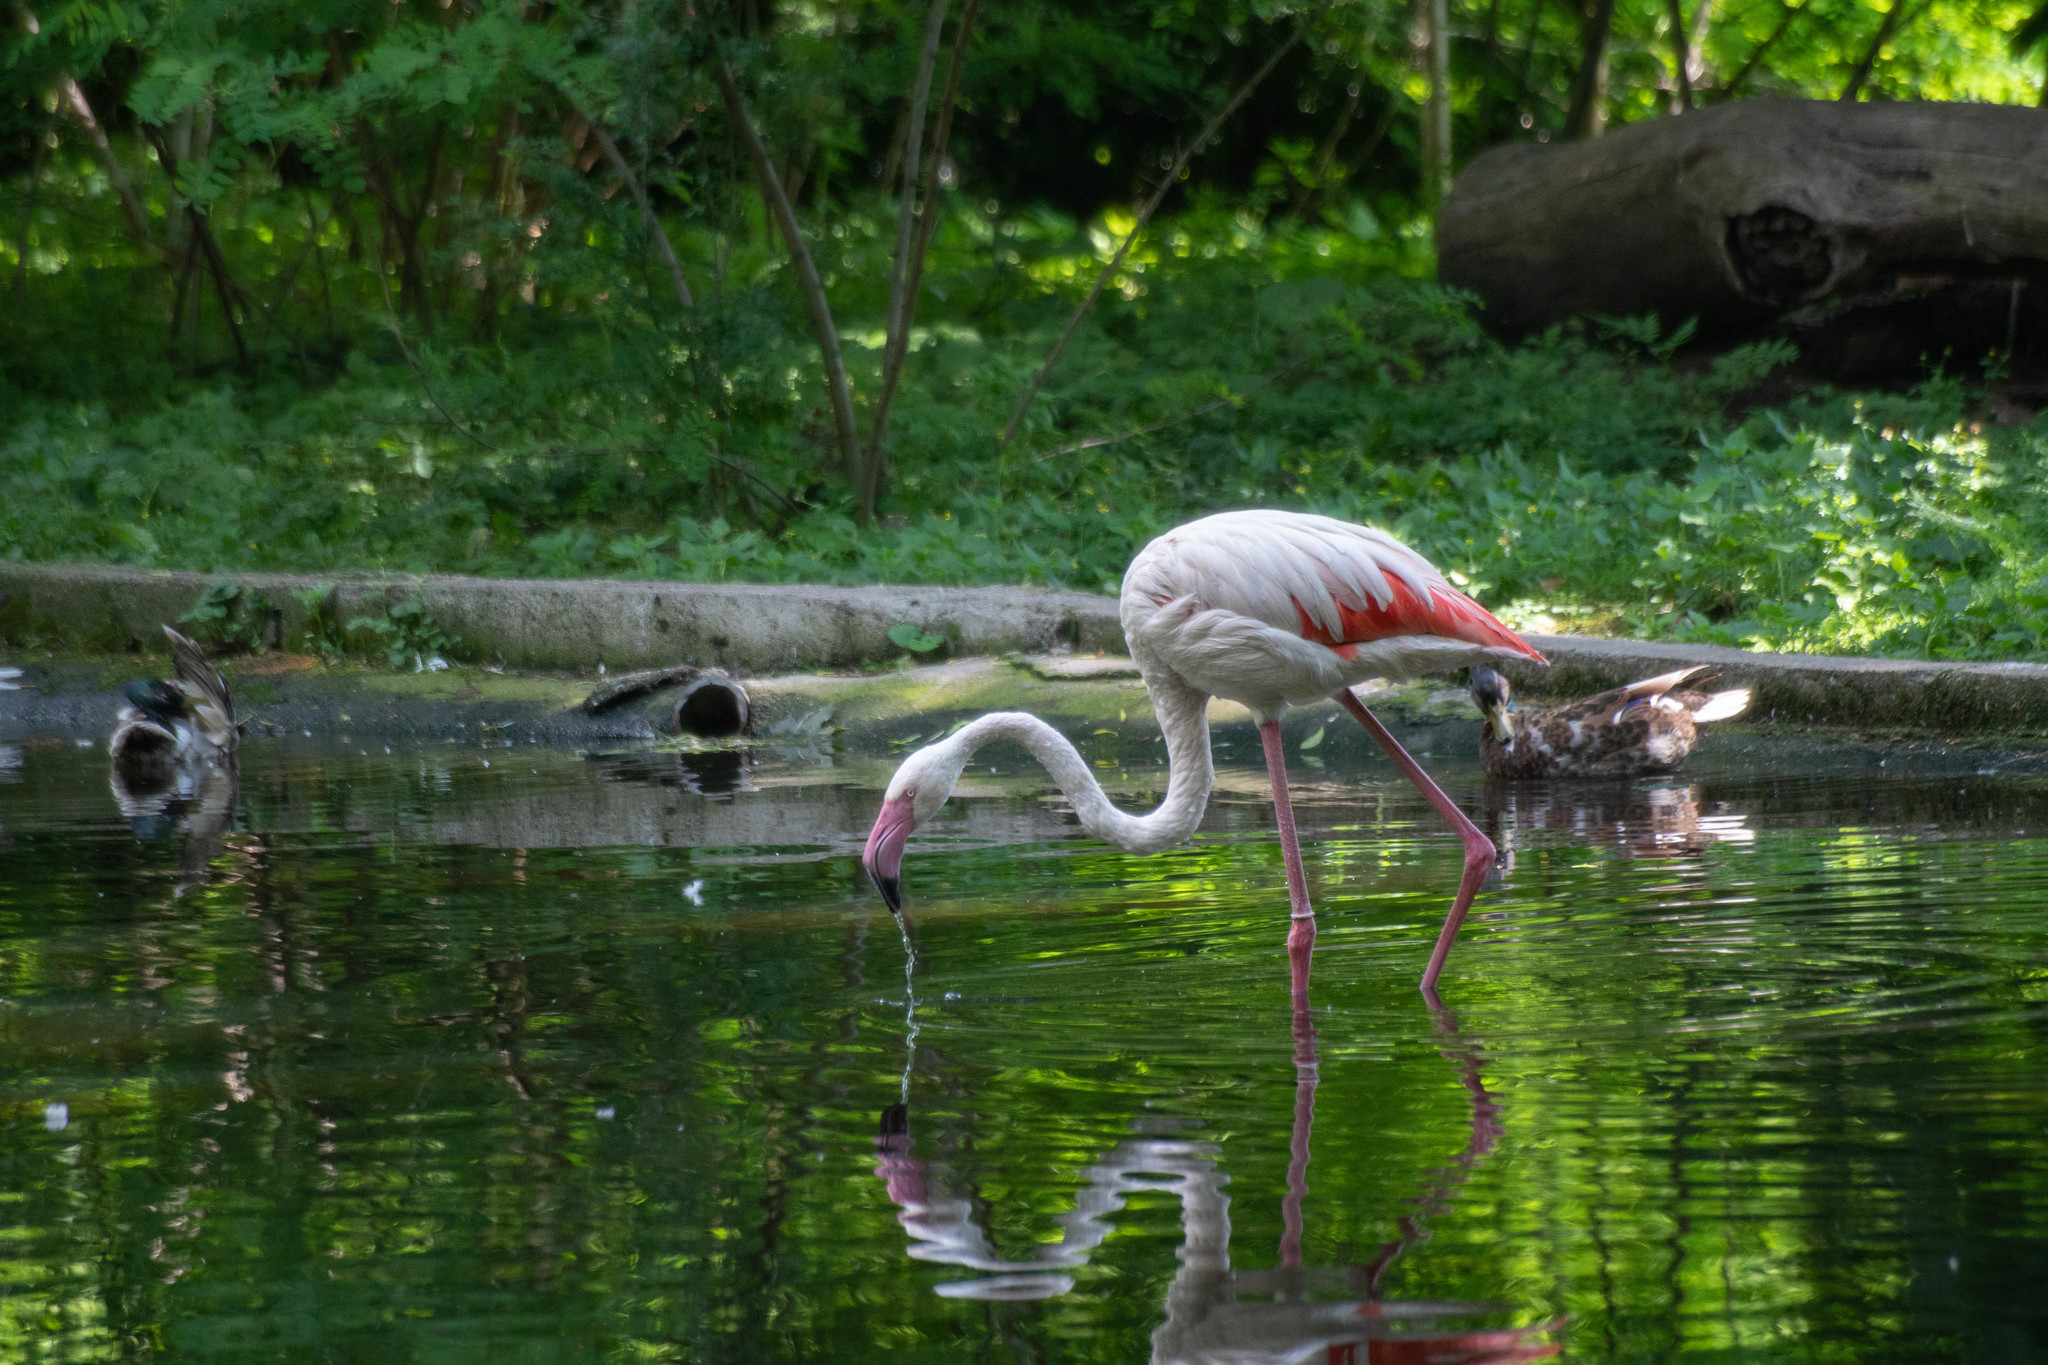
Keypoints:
(883, 857)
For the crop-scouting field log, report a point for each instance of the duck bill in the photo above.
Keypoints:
(1501, 721)
(883, 857)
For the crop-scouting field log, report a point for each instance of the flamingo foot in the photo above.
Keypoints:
(1478, 848)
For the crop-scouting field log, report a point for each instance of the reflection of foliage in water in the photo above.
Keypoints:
(1752, 1093)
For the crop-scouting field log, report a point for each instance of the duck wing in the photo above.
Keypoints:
(1713, 706)
(205, 691)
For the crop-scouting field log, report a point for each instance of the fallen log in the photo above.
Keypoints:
(1875, 233)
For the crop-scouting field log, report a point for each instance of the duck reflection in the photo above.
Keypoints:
(1215, 1314)
(1640, 819)
(195, 801)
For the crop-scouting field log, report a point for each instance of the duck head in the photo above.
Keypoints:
(1490, 693)
(155, 699)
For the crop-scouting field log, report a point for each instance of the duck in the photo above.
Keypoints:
(1645, 727)
(172, 730)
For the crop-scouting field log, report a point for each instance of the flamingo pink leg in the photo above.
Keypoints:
(1301, 932)
(1478, 848)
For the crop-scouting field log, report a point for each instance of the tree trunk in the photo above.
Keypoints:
(1436, 108)
(927, 220)
(1681, 51)
(822, 326)
(1865, 228)
(1587, 113)
(895, 336)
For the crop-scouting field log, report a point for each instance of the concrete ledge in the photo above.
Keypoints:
(573, 624)
(578, 624)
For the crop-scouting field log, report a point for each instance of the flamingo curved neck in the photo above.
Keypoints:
(1183, 720)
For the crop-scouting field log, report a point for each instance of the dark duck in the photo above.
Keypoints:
(1645, 727)
(173, 732)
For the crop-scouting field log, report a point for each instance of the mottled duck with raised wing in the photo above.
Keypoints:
(1645, 727)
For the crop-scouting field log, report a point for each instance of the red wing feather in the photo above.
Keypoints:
(1447, 613)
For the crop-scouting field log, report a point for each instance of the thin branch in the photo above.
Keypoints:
(1529, 52)
(807, 274)
(28, 214)
(1749, 63)
(906, 209)
(223, 284)
(117, 175)
(1327, 153)
(647, 219)
(1166, 182)
(202, 234)
(425, 387)
(1895, 21)
(897, 345)
(1227, 400)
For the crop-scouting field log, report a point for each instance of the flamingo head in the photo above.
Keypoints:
(915, 794)
(1490, 692)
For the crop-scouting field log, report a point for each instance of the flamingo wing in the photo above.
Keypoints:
(1335, 583)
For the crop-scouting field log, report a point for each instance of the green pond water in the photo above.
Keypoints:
(502, 1054)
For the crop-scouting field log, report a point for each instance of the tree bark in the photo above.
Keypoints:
(827, 332)
(1821, 217)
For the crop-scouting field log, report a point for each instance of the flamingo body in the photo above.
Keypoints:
(1273, 609)
(1268, 609)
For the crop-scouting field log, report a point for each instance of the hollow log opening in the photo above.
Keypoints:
(1780, 255)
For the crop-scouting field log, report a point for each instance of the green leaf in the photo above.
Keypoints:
(1313, 740)
(911, 637)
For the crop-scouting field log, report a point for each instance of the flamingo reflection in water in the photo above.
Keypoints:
(1215, 1314)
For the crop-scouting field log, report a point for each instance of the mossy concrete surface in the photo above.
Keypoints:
(568, 624)
(578, 625)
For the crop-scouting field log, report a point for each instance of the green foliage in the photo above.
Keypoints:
(905, 635)
(404, 634)
(229, 618)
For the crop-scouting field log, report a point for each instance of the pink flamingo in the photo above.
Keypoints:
(1268, 609)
